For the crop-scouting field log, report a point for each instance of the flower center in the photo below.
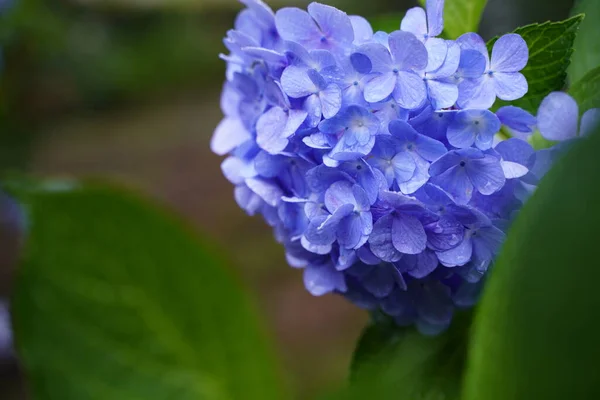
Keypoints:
(463, 163)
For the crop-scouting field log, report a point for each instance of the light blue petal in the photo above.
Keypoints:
(331, 100)
(458, 256)
(442, 94)
(333, 23)
(456, 182)
(435, 16)
(363, 32)
(270, 128)
(407, 51)
(380, 240)
(437, 49)
(380, 87)
(403, 166)
(349, 232)
(557, 117)
(312, 106)
(415, 22)
(410, 91)
(230, 133)
(323, 279)
(510, 54)
(408, 235)
(296, 25)
(472, 64)
(445, 234)
(510, 85)
(517, 120)
(477, 93)
(296, 83)
(378, 55)
(472, 41)
(268, 191)
(451, 62)
(486, 174)
(516, 150)
(339, 194)
(589, 121)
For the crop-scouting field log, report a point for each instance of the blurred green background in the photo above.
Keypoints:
(129, 90)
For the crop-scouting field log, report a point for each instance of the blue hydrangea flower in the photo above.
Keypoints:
(395, 67)
(374, 156)
(501, 77)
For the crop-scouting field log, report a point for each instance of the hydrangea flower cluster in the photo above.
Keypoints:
(375, 156)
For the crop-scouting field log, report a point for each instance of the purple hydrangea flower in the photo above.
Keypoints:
(374, 156)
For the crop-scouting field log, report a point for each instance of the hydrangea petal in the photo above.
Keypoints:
(380, 87)
(510, 53)
(323, 279)
(435, 16)
(363, 32)
(460, 255)
(476, 93)
(510, 85)
(408, 235)
(589, 120)
(380, 240)
(557, 116)
(296, 25)
(486, 174)
(333, 23)
(415, 22)
(230, 133)
(437, 50)
(331, 100)
(410, 91)
(296, 83)
(407, 51)
(443, 94)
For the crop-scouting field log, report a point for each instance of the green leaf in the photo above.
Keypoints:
(386, 22)
(587, 90)
(550, 47)
(461, 16)
(587, 46)
(400, 363)
(116, 300)
(536, 330)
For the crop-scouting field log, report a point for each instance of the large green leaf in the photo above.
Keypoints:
(587, 90)
(116, 300)
(461, 16)
(402, 364)
(587, 46)
(550, 47)
(536, 330)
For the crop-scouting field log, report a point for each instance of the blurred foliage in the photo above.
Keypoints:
(535, 333)
(587, 90)
(139, 307)
(587, 46)
(461, 16)
(400, 363)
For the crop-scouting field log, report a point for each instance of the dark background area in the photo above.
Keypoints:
(129, 91)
